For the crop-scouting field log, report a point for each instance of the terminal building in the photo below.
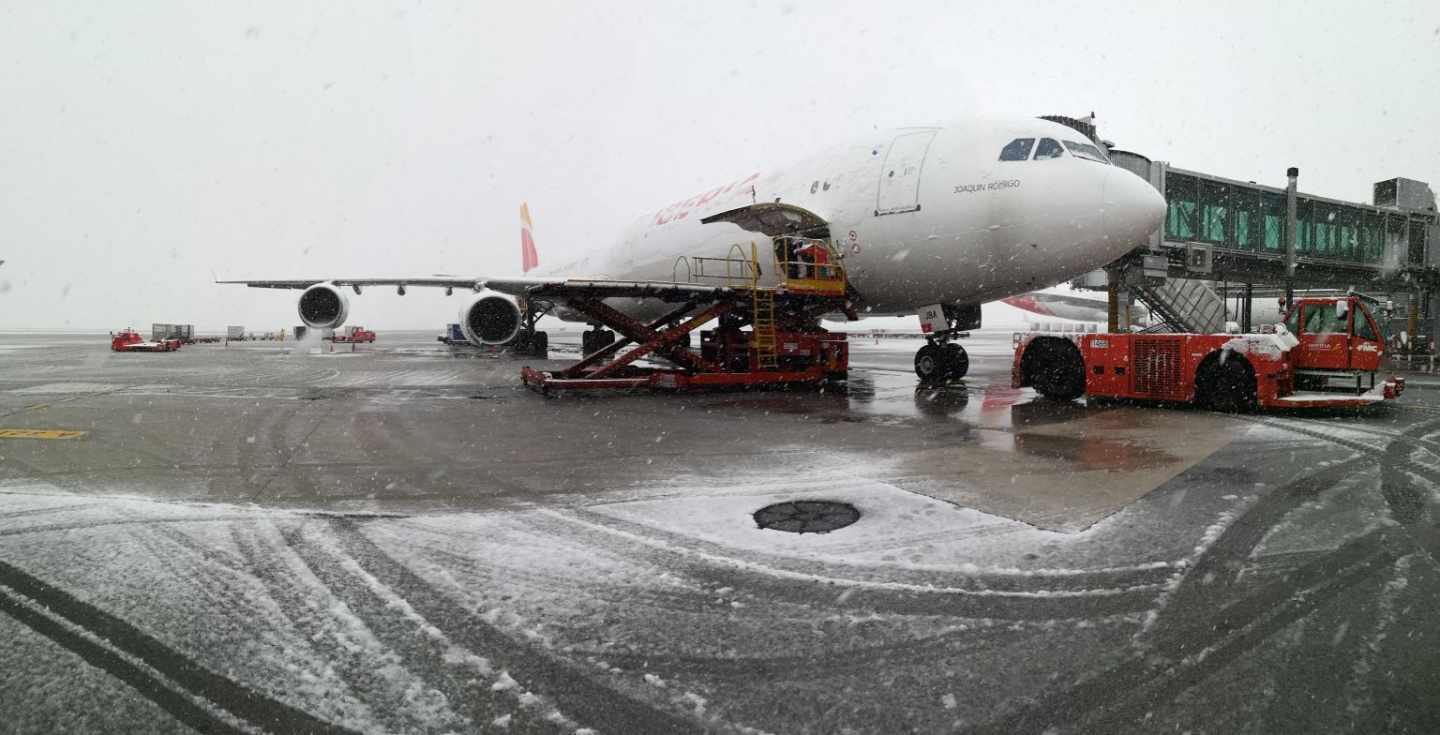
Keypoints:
(1224, 237)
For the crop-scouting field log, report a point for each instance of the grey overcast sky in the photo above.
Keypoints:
(145, 145)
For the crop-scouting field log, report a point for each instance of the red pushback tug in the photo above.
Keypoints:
(1326, 353)
(785, 344)
(129, 340)
(353, 335)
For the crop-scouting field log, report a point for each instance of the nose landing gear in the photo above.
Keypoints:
(939, 362)
(942, 360)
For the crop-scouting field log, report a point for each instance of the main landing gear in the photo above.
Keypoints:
(941, 359)
(595, 339)
(529, 341)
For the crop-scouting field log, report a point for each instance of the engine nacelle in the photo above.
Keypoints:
(323, 306)
(490, 318)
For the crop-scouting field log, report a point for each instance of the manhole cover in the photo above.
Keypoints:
(806, 516)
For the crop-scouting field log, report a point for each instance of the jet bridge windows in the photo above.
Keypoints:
(1017, 150)
(1087, 151)
(1048, 149)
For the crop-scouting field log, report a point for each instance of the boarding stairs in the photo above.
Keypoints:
(1186, 304)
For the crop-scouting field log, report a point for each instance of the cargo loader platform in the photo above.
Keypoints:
(764, 336)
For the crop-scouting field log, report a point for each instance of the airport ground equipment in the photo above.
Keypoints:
(183, 332)
(352, 335)
(129, 340)
(783, 345)
(1326, 353)
(302, 331)
(453, 335)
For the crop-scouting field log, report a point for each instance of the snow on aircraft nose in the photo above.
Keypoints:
(1132, 208)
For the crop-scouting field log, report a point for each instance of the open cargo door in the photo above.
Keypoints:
(775, 219)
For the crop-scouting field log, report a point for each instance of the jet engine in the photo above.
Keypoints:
(323, 306)
(490, 318)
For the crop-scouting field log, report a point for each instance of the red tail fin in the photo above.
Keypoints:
(529, 258)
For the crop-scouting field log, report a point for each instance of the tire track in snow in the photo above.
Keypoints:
(237, 699)
(1193, 645)
(1199, 640)
(137, 677)
(575, 693)
(722, 569)
(420, 654)
(43, 511)
(365, 667)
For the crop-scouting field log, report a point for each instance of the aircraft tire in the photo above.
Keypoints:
(540, 345)
(956, 361)
(930, 364)
(594, 340)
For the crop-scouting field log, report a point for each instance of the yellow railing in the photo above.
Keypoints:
(735, 269)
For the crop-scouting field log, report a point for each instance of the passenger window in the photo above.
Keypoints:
(1017, 150)
(1048, 149)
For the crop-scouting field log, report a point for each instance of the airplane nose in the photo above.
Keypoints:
(1133, 208)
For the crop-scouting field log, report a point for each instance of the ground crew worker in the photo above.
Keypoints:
(818, 256)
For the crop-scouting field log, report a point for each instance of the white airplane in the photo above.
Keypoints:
(927, 219)
(1084, 308)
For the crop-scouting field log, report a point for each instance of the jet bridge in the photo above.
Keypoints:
(1238, 235)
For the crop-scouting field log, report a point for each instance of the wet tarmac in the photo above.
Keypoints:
(255, 537)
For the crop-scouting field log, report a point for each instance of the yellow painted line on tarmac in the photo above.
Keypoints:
(40, 434)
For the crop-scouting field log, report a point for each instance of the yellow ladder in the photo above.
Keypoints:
(762, 327)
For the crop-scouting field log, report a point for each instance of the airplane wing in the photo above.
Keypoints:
(512, 286)
(554, 287)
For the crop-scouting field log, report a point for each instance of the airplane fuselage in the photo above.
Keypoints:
(920, 215)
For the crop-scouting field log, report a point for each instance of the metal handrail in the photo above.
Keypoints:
(736, 270)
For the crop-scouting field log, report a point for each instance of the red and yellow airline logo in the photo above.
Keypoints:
(529, 258)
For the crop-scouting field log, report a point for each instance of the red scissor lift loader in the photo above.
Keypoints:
(1326, 353)
(784, 344)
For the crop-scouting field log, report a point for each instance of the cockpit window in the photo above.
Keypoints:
(1048, 149)
(1017, 150)
(1086, 150)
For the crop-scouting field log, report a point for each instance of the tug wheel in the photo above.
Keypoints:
(1054, 367)
(1227, 386)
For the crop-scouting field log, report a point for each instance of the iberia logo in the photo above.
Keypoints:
(679, 210)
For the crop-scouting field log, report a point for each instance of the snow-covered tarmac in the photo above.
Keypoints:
(403, 540)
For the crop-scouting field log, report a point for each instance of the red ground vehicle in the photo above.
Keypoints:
(129, 340)
(353, 335)
(1327, 353)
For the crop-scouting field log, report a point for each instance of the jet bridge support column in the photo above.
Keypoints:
(1412, 325)
(1292, 175)
(1245, 309)
(1117, 300)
